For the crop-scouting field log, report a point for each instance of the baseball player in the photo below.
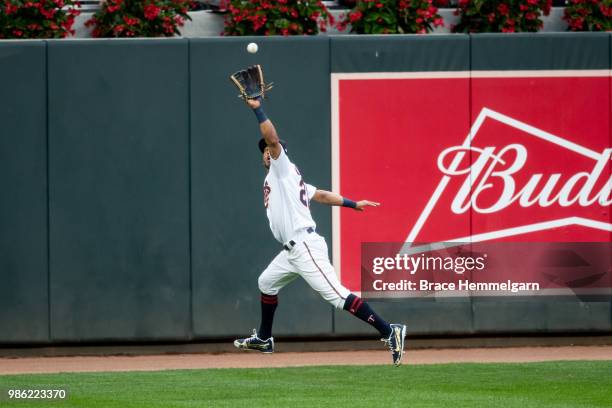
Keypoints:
(304, 252)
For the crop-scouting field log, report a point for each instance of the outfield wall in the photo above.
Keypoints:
(132, 206)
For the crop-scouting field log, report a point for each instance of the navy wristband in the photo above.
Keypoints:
(348, 203)
(261, 115)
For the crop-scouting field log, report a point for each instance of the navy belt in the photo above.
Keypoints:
(289, 245)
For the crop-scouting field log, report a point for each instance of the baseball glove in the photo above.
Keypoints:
(250, 82)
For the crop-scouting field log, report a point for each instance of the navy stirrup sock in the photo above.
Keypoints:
(354, 305)
(268, 307)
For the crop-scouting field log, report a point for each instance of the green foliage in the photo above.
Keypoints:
(505, 16)
(37, 19)
(589, 15)
(133, 18)
(392, 17)
(276, 17)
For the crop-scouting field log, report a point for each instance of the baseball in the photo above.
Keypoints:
(252, 48)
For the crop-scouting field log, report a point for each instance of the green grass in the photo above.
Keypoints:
(550, 384)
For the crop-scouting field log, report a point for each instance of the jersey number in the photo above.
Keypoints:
(303, 196)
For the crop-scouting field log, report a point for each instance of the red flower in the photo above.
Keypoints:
(355, 16)
(130, 21)
(168, 28)
(503, 9)
(151, 11)
(48, 13)
(113, 8)
(10, 9)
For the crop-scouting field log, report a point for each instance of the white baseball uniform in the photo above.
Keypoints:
(287, 202)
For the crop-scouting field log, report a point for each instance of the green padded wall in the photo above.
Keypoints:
(24, 309)
(132, 185)
(391, 53)
(119, 190)
(544, 51)
(232, 242)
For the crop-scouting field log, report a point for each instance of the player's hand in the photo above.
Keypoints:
(253, 103)
(365, 203)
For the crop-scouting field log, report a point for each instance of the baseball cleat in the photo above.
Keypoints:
(255, 343)
(395, 342)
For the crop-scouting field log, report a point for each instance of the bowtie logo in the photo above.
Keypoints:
(488, 179)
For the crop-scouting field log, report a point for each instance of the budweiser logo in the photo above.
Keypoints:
(479, 171)
(498, 166)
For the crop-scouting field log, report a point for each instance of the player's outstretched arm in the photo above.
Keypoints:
(266, 128)
(330, 198)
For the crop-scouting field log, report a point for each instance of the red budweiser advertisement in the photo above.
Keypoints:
(472, 157)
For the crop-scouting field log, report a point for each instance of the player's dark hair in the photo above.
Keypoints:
(262, 145)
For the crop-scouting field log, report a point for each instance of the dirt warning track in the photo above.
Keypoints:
(293, 359)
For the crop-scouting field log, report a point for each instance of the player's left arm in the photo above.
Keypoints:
(330, 198)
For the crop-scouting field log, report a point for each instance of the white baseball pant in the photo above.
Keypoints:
(308, 259)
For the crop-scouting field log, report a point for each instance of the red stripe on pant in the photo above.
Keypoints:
(357, 302)
(269, 299)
